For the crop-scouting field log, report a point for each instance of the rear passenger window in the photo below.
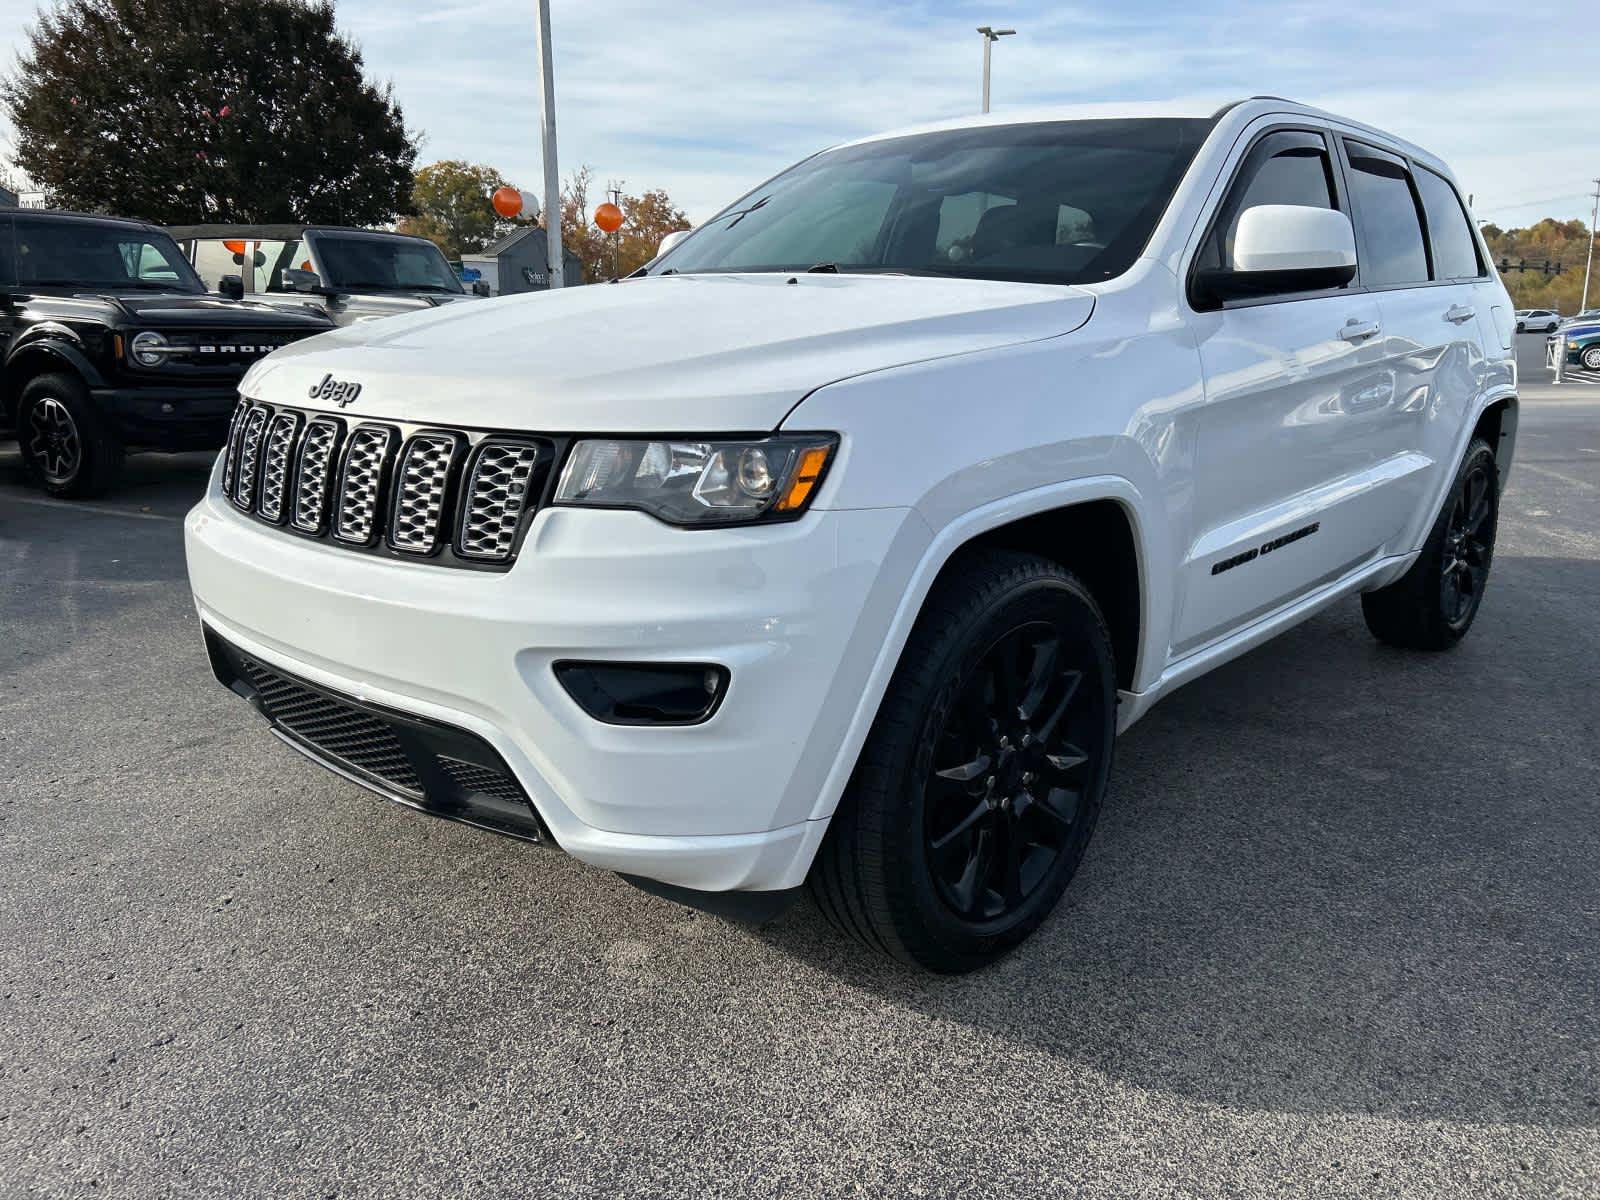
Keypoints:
(1455, 251)
(1387, 221)
(1290, 166)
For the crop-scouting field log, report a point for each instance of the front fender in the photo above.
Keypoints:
(60, 347)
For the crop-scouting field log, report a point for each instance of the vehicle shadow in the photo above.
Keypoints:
(1332, 876)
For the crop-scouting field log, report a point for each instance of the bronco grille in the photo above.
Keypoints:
(459, 497)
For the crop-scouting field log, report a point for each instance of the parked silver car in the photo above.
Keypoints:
(349, 274)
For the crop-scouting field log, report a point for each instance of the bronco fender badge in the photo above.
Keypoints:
(341, 392)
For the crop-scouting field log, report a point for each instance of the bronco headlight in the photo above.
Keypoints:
(685, 481)
(149, 349)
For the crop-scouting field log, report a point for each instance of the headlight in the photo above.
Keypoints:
(149, 349)
(689, 482)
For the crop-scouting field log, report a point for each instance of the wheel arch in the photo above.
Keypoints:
(41, 356)
(1497, 425)
(1028, 521)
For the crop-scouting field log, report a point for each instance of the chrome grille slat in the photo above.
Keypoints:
(314, 474)
(230, 462)
(495, 499)
(244, 492)
(276, 461)
(454, 497)
(360, 483)
(421, 483)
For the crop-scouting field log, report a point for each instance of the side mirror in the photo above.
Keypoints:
(480, 288)
(230, 287)
(295, 280)
(671, 240)
(1284, 248)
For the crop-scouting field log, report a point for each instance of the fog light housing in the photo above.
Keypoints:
(620, 693)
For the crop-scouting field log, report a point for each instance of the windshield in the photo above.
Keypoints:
(383, 263)
(83, 254)
(1066, 202)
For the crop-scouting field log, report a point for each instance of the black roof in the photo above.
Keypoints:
(97, 218)
(272, 233)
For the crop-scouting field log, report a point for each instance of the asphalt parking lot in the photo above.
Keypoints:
(1338, 934)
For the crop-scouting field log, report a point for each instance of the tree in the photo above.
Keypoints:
(1564, 242)
(450, 204)
(647, 219)
(207, 110)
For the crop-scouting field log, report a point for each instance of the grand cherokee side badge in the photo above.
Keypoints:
(339, 391)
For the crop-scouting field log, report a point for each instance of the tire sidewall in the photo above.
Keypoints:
(1055, 598)
(1590, 358)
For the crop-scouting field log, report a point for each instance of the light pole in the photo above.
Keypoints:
(990, 37)
(1589, 262)
(547, 138)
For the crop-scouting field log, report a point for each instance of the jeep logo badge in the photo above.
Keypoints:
(339, 391)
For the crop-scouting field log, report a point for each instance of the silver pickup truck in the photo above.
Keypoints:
(349, 274)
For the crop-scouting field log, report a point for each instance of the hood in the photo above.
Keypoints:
(213, 312)
(679, 354)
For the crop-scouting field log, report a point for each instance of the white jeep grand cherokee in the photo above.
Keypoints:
(835, 546)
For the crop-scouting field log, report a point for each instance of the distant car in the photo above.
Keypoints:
(109, 343)
(1578, 345)
(1537, 320)
(1587, 316)
(350, 274)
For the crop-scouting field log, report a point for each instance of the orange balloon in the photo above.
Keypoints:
(507, 202)
(609, 217)
(233, 247)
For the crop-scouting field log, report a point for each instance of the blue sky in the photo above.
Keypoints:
(707, 98)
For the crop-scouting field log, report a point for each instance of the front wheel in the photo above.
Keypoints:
(1591, 358)
(1433, 604)
(982, 777)
(67, 447)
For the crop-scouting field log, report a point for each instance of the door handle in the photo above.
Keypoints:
(1359, 331)
(1458, 313)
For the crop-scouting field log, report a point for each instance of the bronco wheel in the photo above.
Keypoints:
(67, 448)
(981, 780)
(1591, 358)
(1432, 605)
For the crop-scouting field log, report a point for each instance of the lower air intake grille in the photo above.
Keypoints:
(454, 497)
(422, 762)
(338, 730)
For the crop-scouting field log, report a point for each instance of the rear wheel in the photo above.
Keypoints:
(67, 447)
(981, 780)
(1432, 605)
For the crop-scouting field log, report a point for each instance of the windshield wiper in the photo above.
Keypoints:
(740, 214)
(823, 269)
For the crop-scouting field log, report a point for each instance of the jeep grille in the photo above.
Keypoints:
(458, 497)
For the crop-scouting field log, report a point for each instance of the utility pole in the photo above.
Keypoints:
(990, 37)
(547, 138)
(1589, 262)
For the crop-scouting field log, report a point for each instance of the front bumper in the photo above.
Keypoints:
(169, 418)
(797, 613)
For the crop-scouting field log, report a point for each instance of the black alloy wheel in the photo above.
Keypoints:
(53, 442)
(1010, 770)
(978, 787)
(1434, 603)
(1468, 545)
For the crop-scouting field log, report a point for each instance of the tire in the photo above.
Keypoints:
(1591, 358)
(1433, 604)
(67, 447)
(1552, 327)
(943, 793)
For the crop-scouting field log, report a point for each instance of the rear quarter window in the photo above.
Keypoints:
(1455, 250)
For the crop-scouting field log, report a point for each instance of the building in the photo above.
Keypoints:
(517, 263)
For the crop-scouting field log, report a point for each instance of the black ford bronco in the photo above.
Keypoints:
(109, 342)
